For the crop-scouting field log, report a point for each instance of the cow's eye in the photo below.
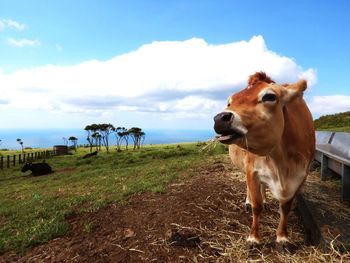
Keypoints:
(269, 97)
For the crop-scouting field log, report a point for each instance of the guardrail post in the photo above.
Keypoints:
(345, 177)
(324, 166)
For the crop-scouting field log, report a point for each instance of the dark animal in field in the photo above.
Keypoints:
(37, 168)
(90, 155)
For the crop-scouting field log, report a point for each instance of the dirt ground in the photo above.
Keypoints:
(200, 219)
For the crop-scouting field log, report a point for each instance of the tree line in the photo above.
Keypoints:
(98, 135)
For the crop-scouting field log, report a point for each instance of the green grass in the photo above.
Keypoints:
(33, 209)
(335, 122)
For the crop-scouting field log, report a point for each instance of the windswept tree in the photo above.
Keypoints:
(105, 130)
(21, 143)
(91, 130)
(65, 141)
(97, 140)
(74, 141)
(122, 134)
(137, 135)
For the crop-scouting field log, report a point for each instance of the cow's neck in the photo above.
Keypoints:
(280, 161)
(286, 157)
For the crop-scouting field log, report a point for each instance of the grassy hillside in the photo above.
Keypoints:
(334, 122)
(33, 209)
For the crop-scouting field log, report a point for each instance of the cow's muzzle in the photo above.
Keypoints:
(224, 125)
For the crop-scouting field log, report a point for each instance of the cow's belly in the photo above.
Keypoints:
(281, 190)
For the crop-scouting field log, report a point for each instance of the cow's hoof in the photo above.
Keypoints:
(253, 247)
(253, 241)
(254, 253)
(284, 246)
(247, 207)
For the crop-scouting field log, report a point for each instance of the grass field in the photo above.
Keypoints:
(339, 122)
(33, 209)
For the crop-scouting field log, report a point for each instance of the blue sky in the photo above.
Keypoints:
(54, 56)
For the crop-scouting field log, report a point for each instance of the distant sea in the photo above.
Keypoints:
(48, 138)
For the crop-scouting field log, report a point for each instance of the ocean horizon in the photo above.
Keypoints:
(46, 138)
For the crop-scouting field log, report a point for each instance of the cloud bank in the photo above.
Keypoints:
(23, 42)
(321, 105)
(11, 24)
(175, 78)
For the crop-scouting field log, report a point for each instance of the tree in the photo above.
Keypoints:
(105, 130)
(65, 141)
(91, 130)
(137, 135)
(74, 141)
(97, 138)
(122, 134)
(21, 143)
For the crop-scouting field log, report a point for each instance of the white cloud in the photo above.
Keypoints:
(177, 78)
(11, 24)
(23, 42)
(321, 105)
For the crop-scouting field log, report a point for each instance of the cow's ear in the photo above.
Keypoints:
(289, 92)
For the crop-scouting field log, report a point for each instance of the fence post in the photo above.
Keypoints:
(32, 155)
(19, 159)
(14, 160)
(345, 178)
(8, 161)
(324, 167)
(24, 157)
(1, 162)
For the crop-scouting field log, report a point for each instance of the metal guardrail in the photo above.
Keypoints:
(333, 152)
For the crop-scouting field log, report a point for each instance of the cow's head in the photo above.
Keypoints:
(254, 116)
(27, 166)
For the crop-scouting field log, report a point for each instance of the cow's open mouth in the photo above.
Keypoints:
(229, 137)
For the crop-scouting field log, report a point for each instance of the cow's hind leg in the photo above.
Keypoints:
(256, 201)
(282, 240)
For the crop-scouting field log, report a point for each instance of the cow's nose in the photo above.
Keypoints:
(223, 117)
(223, 122)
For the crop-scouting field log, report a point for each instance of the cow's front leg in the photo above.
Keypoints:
(247, 204)
(281, 233)
(256, 201)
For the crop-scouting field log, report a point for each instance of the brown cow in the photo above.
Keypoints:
(271, 137)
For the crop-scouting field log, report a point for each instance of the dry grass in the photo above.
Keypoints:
(231, 246)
